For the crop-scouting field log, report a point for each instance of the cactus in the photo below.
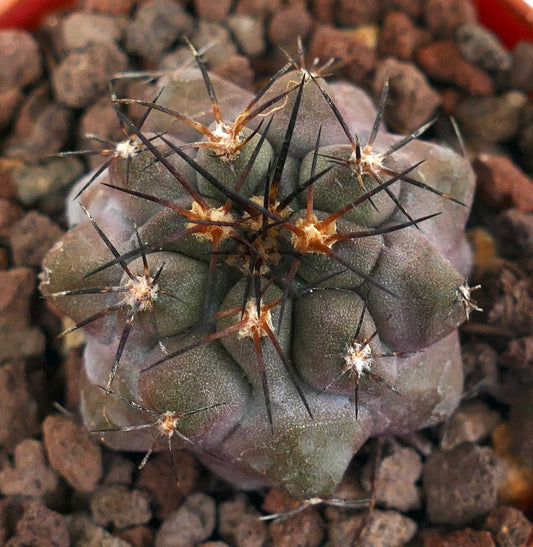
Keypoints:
(267, 280)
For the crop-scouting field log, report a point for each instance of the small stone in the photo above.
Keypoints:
(400, 37)
(18, 409)
(502, 184)
(156, 26)
(158, 478)
(29, 475)
(508, 526)
(464, 538)
(458, 494)
(397, 476)
(412, 7)
(521, 75)
(443, 61)
(118, 505)
(20, 59)
(9, 214)
(114, 7)
(249, 34)
(519, 353)
(491, 119)
(444, 16)
(215, 10)
(237, 69)
(289, 22)
(72, 453)
(21, 344)
(324, 11)
(471, 422)
(239, 524)
(209, 33)
(32, 237)
(304, 529)
(83, 532)
(356, 58)
(117, 468)
(138, 536)
(515, 231)
(36, 182)
(480, 364)
(40, 526)
(82, 76)
(415, 101)
(10, 100)
(520, 424)
(18, 285)
(257, 8)
(79, 29)
(41, 127)
(355, 13)
(385, 528)
(193, 522)
(482, 47)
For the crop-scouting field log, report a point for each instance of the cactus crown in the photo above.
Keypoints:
(275, 275)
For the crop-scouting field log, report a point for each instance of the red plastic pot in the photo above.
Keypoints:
(28, 13)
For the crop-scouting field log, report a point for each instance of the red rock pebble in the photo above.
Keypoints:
(120, 506)
(39, 526)
(324, 11)
(32, 237)
(72, 453)
(415, 101)
(157, 477)
(356, 13)
(458, 494)
(237, 69)
(399, 36)
(29, 475)
(239, 524)
(412, 7)
(305, 529)
(18, 409)
(463, 538)
(508, 526)
(18, 286)
(502, 184)
(9, 214)
(116, 7)
(192, 523)
(521, 76)
(20, 59)
(443, 61)
(216, 10)
(288, 23)
(10, 99)
(357, 59)
(138, 536)
(444, 16)
(515, 231)
(82, 76)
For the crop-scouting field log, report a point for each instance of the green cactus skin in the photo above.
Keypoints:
(268, 293)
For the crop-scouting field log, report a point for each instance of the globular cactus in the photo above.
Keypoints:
(266, 280)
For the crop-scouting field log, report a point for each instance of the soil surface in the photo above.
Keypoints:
(466, 482)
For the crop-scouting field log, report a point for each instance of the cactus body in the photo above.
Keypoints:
(266, 298)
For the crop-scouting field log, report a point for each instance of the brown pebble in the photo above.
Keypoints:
(40, 526)
(289, 22)
(115, 7)
(415, 101)
(239, 524)
(29, 475)
(10, 99)
(9, 214)
(20, 59)
(216, 10)
(502, 184)
(72, 453)
(237, 69)
(521, 75)
(520, 424)
(380, 528)
(399, 36)
(18, 409)
(83, 531)
(82, 76)
(397, 478)
(138, 536)
(519, 353)
(32, 237)
(463, 538)
(193, 522)
(458, 494)
(80, 29)
(157, 477)
(355, 13)
(444, 16)
(209, 33)
(481, 47)
(305, 529)
(324, 11)
(491, 119)
(412, 7)
(18, 286)
(118, 505)
(508, 526)
(72, 370)
(117, 469)
(443, 61)
(356, 58)
(257, 8)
